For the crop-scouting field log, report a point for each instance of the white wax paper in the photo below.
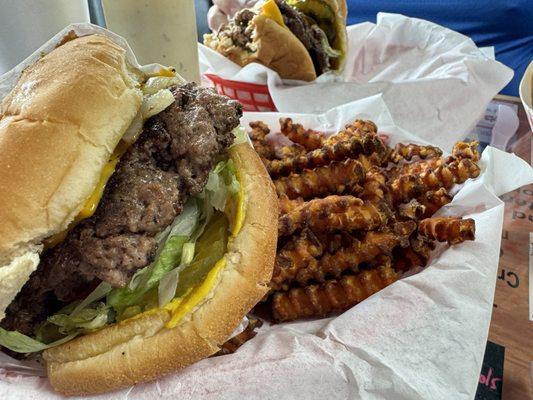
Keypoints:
(421, 338)
(435, 82)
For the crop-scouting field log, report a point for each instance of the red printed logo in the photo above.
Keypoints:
(489, 380)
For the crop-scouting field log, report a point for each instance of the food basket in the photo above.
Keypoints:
(253, 97)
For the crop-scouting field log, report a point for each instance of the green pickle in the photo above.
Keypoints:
(321, 13)
(210, 248)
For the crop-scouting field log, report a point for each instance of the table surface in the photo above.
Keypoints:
(510, 325)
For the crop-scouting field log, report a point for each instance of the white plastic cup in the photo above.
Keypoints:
(26, 24)
(162, 31)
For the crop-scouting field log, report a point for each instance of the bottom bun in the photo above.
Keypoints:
(142, 348)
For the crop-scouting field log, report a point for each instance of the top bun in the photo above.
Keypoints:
(343, 8)
(58, 127)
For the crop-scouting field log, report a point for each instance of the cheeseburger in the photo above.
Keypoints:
(136, 229)
(299, 39)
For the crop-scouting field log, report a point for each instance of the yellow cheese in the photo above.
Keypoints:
(165, 71)
(92, 202)
(182, 306)
(270, 10)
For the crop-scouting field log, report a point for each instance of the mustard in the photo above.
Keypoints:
(183, 305)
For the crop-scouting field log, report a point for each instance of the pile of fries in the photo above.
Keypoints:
(354, 213)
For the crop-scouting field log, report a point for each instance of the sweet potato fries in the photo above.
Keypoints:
(354, 213)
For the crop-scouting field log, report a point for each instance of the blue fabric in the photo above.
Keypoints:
(505, 24)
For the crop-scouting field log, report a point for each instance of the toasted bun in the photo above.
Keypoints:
(142, 348)
(66, 114)
(344, 9)
(276, 47)
(279, 49)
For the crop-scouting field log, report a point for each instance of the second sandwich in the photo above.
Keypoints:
(299, 39)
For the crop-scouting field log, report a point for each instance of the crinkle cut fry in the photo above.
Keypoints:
(370, 161)
(434, 200)
(357, 128)
(340, 151)
(298, 252)
(258, 137)
(306, 258)
(375, 187)
(336, 178)
(231, 345)
(308, 138)
(407, 187)
(416, 167)
(448, 229)
(408, 151)
(332, 296)
(414, 255)
(466, 150)
(292, 150)
(345, 213)
(412, 210)
(333, 265)
(457, 171)
(287, 205)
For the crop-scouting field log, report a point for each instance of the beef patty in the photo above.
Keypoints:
(311, 36)
(169, 162)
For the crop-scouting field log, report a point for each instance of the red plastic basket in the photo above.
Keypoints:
(252, 96)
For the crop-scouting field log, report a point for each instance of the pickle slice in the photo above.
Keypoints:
(210, 248)
(320, 12)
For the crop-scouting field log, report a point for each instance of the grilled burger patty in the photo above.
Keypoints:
(311, 36)
(169, 162)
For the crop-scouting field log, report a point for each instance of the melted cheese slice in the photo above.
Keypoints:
(270, 10)
(92, 202)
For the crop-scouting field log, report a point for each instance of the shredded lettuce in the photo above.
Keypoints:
(157, 83)
(221, 185)
(188, 253)
(168, 256)
(100, 292)
(210, 248)
(166, 290)
(240, 135)
(20, 343)
(85, 320)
